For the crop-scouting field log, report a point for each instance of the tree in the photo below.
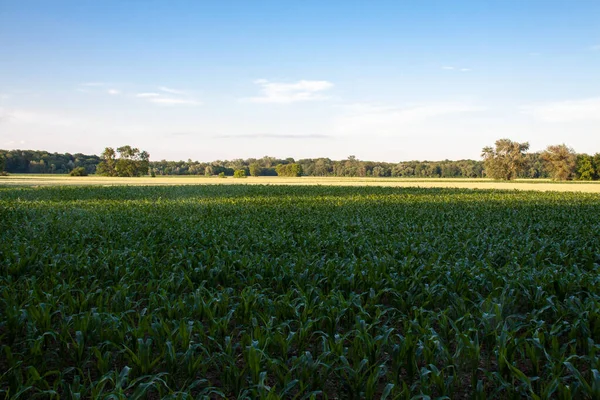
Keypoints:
(596, 159)
(504, 161)
(131, 162)
(239, 173)
(378, 171)
(292, 169)
(255, 169)
(561, 161)
(107, 166)
(2, 164)
(534, 166)
(78, 171)
(585, 167)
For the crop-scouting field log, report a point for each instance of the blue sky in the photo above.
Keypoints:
(382, 80)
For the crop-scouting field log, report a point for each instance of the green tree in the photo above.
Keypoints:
(504, 161)
(78, 171)
(255, 169)
(596, 162)
(290, 170)
(534, 167)
(106, 167)
(126, 164)
(239, 173)
(2, 164)
(378, 171)
(585, 167)
(561, 161)
(131, 162)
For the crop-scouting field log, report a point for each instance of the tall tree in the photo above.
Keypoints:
(505, 160)
(585, 167)
(107, 166)
(292, 169)
(255, 169)
(596, 162)
(131, 162)
(561, 161)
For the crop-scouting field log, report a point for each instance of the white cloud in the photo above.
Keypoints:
(146, 95)
(169, 90)
(92, 84)
(113, 91)
(170, 101)
(174, 98)
(280, 92)
(451, 68)
(565, 111)
(377, 119)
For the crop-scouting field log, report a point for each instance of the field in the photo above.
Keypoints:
(520, 184)
(298, 292)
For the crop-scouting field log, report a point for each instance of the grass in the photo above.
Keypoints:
(298, 292)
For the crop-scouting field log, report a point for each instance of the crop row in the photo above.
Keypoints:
(298, 292)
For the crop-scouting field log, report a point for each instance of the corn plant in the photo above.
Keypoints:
(285, 292)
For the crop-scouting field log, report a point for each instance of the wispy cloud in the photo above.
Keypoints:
(113, 92)
(147, 94)
(595, 47)
(565, 111)
(171, 101)
(451, 68)
(274, 136)
(170, 97)
(283, 93)
(92, 84)
(169, 90)
(378, 119)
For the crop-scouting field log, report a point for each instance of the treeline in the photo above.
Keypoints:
(507, 160)
(350, 167)
(43, 162)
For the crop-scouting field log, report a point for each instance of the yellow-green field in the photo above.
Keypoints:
(524, 184)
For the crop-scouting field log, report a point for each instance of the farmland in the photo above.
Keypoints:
(277, 292)
(460, 183)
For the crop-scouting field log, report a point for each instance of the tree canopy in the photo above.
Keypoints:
(506, 160)
(561, 161)
(131, 162)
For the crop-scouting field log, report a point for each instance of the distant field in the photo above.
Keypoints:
(297, 292)
(524, 184)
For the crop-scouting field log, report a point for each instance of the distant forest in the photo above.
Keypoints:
(532, 165)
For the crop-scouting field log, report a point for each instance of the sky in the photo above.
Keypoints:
(381, 80)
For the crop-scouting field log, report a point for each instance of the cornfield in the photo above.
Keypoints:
(288, 292)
